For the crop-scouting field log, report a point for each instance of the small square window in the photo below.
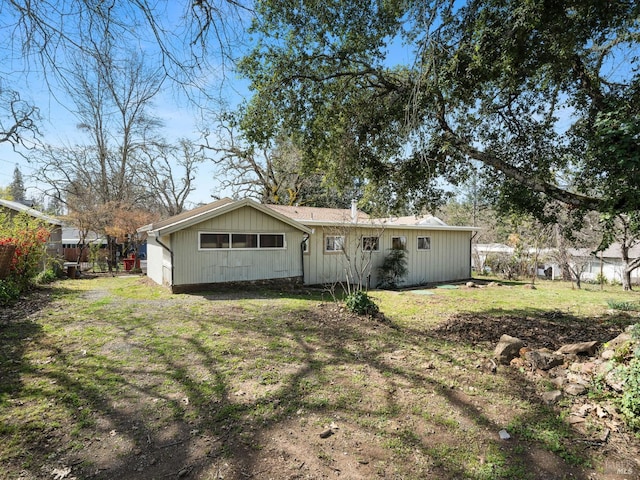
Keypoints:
(424, 243)
(334, 243)
(398, 243)
(370, 244)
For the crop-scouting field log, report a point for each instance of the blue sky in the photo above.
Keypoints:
(58, 126)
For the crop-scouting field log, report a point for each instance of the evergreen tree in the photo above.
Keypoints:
(16, 187)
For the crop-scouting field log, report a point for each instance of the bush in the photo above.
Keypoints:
(630, 400)
(46, 276)
(9, 291)
(630, 374)
(623, 305)
(393, 269)
(361, 303)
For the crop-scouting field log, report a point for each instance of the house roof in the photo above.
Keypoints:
(613, 251)
(319, 215)
(212, 210)
(339, 216)
(20, 208)
(72, 235)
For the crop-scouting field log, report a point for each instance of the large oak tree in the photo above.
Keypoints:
(545, 94)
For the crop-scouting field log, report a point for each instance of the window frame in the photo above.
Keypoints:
(376, 244)
(403, 242)
(418, 243)
(248, 234)
(343, 242)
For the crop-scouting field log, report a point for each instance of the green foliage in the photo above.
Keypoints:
(498, 78)
(9, 291)
(623, 305)
(630, 400)
(46, 276)
(30, 237)
(393, 269)
(361, 303)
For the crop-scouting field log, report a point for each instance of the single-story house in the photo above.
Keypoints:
(231, 241)
(607, 262)
(54, 246)
(71, 240)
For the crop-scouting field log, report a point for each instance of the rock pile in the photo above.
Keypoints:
(572, 370)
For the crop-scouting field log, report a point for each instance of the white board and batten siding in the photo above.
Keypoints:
(193, 265)
(448, 259)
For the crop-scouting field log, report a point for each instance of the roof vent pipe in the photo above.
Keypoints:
(354, 210)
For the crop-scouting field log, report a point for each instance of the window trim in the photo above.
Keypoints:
(403, 242)
(377, 243)
(343, 243)
(418, 243)
(230, 241)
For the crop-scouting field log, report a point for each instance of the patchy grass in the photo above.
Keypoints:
(115, 378)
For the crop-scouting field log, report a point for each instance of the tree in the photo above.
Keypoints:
(184, 34)
(113, 91)
(270, 170)
(526, 88)
(169, 173)
(16, 187)
(624, 229)
(18, 118)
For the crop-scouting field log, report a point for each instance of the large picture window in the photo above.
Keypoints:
(333, 243)
(241, 241)
(424, 243)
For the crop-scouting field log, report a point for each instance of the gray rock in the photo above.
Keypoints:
(620, 340)
(507, 349)
(543, 359)
(587, 348)
(608, 354)
(575, 389)
(551, 397)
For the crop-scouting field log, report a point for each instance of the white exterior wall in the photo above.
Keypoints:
(159, 261)
(193, 266)
(449, 258)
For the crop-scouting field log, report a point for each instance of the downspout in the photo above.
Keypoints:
(157, 238)
(304, 240)
(471, 254)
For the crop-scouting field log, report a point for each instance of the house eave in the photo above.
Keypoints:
(216, 212)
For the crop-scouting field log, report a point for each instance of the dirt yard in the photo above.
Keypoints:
(109, 378)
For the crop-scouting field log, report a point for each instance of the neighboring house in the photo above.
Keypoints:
(245, 241)
(71, 244)
(54, 247)
(608, 262)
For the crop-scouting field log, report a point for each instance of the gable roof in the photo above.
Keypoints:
(20, 208)
(212, 210)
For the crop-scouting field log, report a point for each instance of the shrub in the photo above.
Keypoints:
(9, 291)
(623, 306)
(46, 276)
(361, 303)
(30, 237)
(393, 269)
(630, 374)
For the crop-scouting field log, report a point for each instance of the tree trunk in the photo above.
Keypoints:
(626, 272)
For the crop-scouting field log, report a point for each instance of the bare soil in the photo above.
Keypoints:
(360, 398)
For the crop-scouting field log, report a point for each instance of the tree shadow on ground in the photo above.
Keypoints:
(213, 389)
